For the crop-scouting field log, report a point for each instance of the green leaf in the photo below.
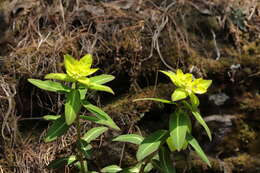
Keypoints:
(85, 148)
(150, 144)
(72, 106)
(134, 169)
(194, 143)
(61, 162)
(60, 76)
(148, 168)
(132, 138)
(101, 79)
(111, 169)
(51, 117)
(82, 93)
(84, 82)
(89, 118)
(155, 99)
(194, 99)
(93, 133)
(49, 85)
(179, 124)
(170, 144)
(103, 117)
(85, 167)
(165, 161)
(58, 128)
(179, 94)
(98, 87)
(149, 165)
(156, 164)
(199, 118)
(100, 121)
(95, 110)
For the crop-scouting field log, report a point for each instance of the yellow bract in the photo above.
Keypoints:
(200, 86)
(187, 85)
(78, 69)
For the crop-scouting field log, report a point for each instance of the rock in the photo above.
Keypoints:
(219, 99)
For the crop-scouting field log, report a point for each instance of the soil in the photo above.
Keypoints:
(217, 40)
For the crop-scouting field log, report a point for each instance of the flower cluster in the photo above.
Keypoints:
(78, 70)
(187, 85)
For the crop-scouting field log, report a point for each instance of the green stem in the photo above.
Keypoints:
(148, 160)
(80, 156)
(79, 153)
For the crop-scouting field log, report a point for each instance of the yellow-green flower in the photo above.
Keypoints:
(78, 70)
(187, 85)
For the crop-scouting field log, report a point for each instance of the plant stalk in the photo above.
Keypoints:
(148, 160)
(79, 153)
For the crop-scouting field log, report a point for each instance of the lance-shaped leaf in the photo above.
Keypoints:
(85, 167)
(101, 79)
(202, 122)
(178, 126)
(59, 76)
(132, 138)
(156, 164)
(99, 113)
(194, 143)
(62, 162)
(179, 94)
(134, 169)
(58, 128)
(151, 144)
(149, 166)
(99, 87)
(50, 85)
(93, 133)
(85, 148)
(198, 117)
(170, 144)
(103, 117)
(72, 106)
(51, 117)
(165, 161)
(111, 169)
(85, 81)
(100, 121)
(155, 99)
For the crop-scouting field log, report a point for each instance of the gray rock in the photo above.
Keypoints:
(219, 99)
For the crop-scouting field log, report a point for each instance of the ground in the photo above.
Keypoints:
(218, 40)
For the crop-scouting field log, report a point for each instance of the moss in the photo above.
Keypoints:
(244, 162)
(246, 134)
(124, 109)
(239, 139)
(249, 102)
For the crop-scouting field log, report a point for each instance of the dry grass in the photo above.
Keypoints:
(136, 41)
